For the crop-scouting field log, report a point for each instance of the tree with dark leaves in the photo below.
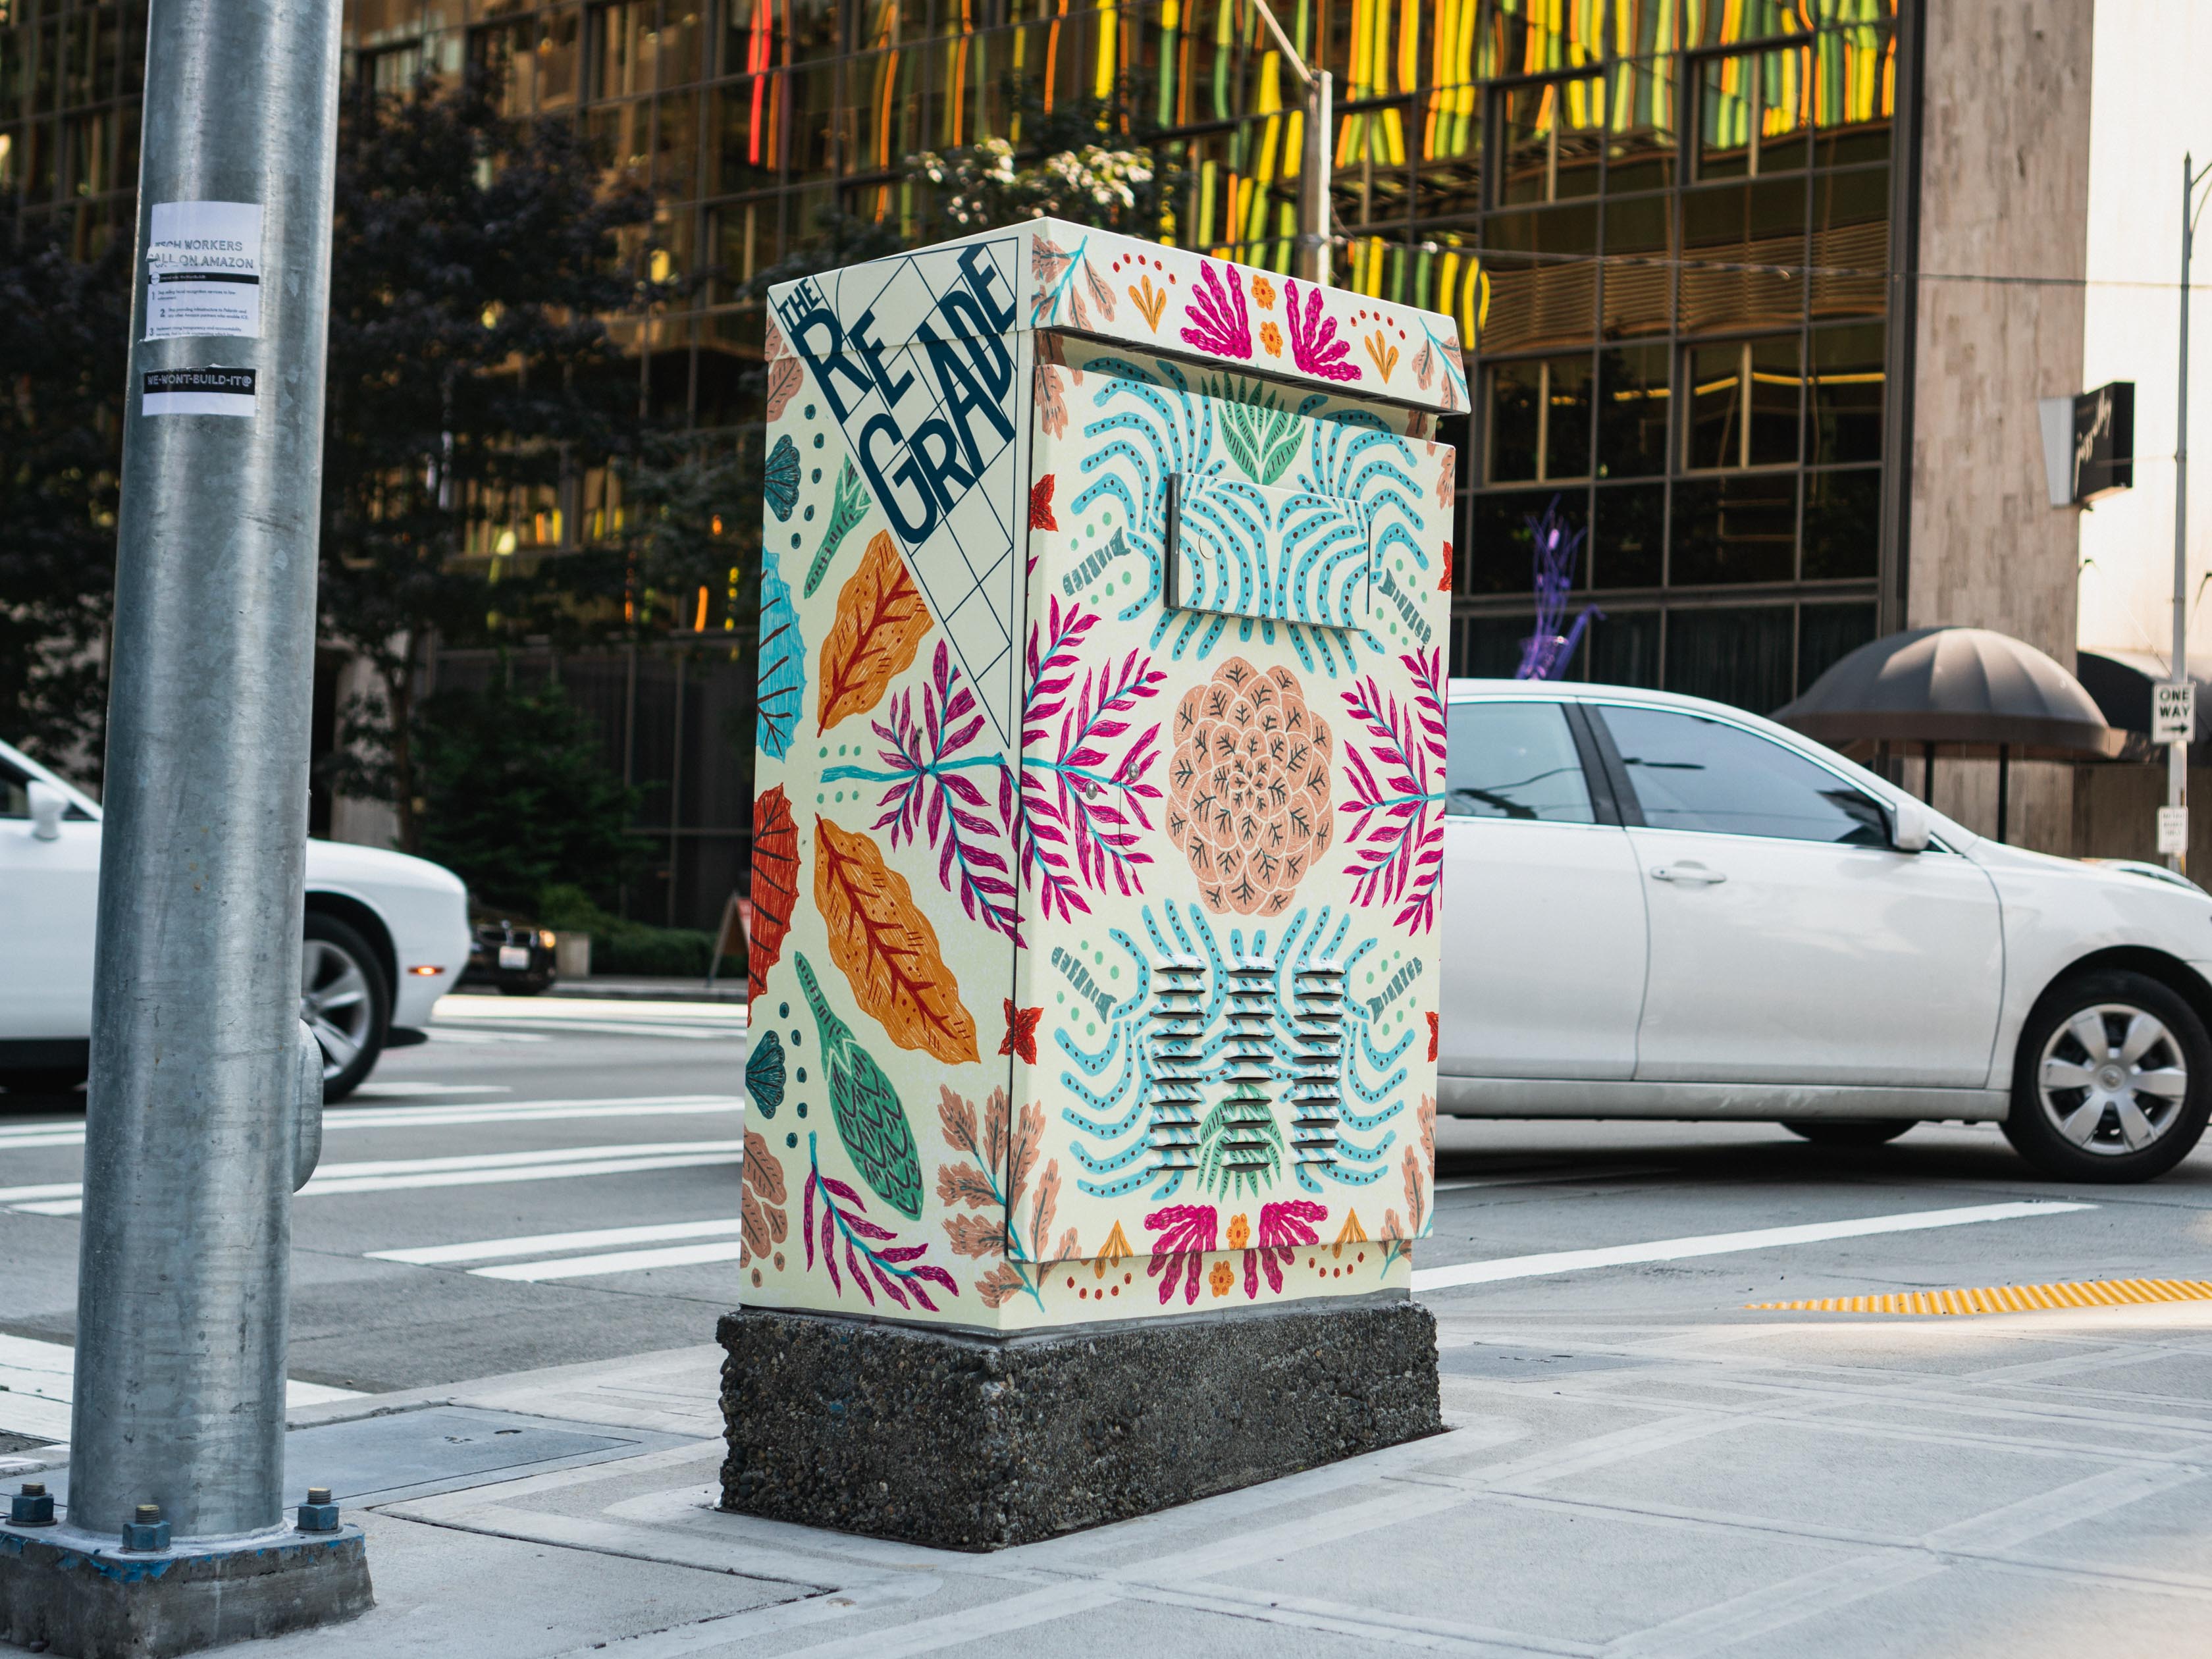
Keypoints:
(472, 376)
(64, 328)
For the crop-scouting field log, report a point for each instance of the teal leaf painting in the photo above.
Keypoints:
(782, 481)
(1260, 435)
(870, 1120)
(782, 660)
(764, 1074)
(850, 506)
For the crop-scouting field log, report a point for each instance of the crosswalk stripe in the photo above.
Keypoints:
(578, 1010)
(490, 1249)
(481, 1169)
(620, 1262)
(339, 1118)
(37, 1380)
(1675, 1250)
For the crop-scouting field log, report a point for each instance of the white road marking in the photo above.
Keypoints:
(38, 1378)
(410, 1091)
(1675, 1250)
(626, 1028)
(1563, 1177)
(408, 1117)
(620, 1261)
(397, 1175)
(490, 1249)
(577, 1010)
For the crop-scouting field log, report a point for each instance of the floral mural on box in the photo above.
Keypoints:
(1100, 778)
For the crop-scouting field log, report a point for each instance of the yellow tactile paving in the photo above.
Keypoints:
(2008, 1298)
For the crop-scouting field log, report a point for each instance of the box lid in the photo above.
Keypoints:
(1050, 274)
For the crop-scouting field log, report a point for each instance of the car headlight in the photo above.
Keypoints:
(546, 937)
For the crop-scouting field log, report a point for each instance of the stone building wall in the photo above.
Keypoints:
(2004, 193)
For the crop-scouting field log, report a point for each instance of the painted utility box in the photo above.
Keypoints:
(1100, 786)
(1096, 844)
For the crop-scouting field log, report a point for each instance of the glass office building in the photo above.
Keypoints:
(1671, 227)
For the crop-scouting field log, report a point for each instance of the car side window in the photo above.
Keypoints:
(1692, 772)
(15, 797)
(1514, 760)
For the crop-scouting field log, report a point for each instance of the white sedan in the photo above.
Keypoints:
(1661, 907)
(385, 934)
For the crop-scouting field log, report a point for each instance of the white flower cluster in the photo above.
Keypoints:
(981, 187)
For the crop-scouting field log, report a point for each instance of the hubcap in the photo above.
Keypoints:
(2112, 1079)
(334, 1001)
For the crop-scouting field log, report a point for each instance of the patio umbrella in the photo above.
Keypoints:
(1963, 691)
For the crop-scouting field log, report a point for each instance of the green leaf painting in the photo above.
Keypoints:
(1240, 1146)
(1260, 435)
(764, 1077)
(850, 506)
(870, 1120)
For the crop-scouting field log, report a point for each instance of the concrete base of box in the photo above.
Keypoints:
(975, 1443)
(79, 1595)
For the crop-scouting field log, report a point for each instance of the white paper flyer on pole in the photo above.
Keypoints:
(204, 271)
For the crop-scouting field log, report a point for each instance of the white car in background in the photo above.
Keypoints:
(386, 935)
(1656, 907)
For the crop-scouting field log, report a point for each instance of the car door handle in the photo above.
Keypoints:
(1696, 874)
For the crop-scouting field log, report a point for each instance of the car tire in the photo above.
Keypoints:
(345, 1002)
(43, 1080)
(1848, 1131)
(2121, 1115)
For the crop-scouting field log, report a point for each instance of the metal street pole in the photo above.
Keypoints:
(1316, 157)
(2177, 754)
(189, 1130)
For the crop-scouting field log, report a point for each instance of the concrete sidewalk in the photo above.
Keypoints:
(1807, 1486)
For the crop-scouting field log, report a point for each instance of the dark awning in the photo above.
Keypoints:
(1967, 690)
(2121, 683)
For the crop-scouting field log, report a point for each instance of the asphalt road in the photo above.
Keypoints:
(552, 1181)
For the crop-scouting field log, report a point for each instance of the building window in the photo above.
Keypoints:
(1539, 421)
(1742, 404)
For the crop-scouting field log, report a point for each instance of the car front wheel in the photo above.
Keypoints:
(2112, 1081)
(344, 1001)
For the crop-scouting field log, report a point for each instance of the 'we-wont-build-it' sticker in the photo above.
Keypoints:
(198, 391)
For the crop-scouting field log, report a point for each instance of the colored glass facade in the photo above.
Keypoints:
(1667, 225)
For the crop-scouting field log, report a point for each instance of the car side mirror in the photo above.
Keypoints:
(47, 806)
(1909, 827)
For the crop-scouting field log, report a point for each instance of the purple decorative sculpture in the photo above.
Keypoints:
(1545, 654)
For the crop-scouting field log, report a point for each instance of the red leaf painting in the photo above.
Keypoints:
(1041, 505)
(1021, 1031)
(775, 884)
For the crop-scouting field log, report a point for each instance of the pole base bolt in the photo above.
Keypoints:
(319, 1514)
(146, 1530)
(34, 1506)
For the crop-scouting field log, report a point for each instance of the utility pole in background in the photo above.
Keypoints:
(2177, 764)
(205, 1087)
(1316, 160)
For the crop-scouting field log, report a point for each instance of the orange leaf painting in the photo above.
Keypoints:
(776, 884)
(886, 947)
(880, 622)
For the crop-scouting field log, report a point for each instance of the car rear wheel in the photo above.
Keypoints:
(344, 1000)
(1847, 1132)
(2112, 1081)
